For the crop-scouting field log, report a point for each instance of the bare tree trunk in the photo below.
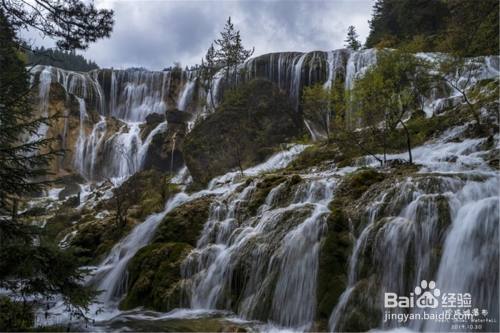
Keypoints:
(408, 141)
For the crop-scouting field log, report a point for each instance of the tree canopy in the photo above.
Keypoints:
(468, 27)
(74, 24)
(62, 59)
(351, 40)
(32, 265)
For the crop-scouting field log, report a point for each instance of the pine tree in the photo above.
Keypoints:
(208, 70)
(351, 40)
(231, 52)
(74, 24)
(31, 265)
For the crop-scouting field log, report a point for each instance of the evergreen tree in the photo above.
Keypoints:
(74, 24)
(351, 40)
(27, 267)
(207, 71)
(230, 52)
(65, 60)
(452, 26)
(31, 264)
(472, 28)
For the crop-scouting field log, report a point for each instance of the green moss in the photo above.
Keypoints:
(95, 239)
(185, 222)
(61, 222)
(314, 155)
(337, 245)
(357, 183)
(154, 272)
(261, 191)
(147, 191)
(364, 308)
(154, 275)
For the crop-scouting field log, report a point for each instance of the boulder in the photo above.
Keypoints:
(244, 130)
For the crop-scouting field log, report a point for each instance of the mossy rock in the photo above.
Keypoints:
(337, 246)
(262, 189)
(146, 191)
(154, 276)
(95, 239)
(364, 310)
(58, 225)
(185, 222)
(315, 155)
(254, 118)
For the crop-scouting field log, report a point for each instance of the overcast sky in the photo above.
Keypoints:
(156, 33)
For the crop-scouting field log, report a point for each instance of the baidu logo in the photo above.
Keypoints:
(425, 295)
(427, 302)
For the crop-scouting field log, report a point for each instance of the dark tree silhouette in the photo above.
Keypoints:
(74, 24)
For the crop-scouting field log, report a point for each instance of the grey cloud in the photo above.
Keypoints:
(154, 34)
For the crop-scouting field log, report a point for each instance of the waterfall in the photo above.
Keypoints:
(358, 63)
(108, 152)
(80, 144)
(143, 150)
(297, 80)
(131, 95)
(407, 221)
(92, 146)
(187, 92)
(471, 248)
(110, 276)
(280, 263)
(137, 93)
(45, 80)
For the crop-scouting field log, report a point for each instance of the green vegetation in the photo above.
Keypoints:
(154, 273)
(391, 90)
(337, 246)
(384, 111)
(247, 127)
(31, 264)
(15, 316)
(228, 54)
(154, 277)
(316, 107)
(62, 59)
(469, 28)
(185, 222)
(351, 41)
(143, 194)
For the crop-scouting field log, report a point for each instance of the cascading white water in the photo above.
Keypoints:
(137, 93)
(110, 276)
(280, 244)
(335, 60)
(45, 80)
(357, 63)
(187, 92)
(414, 223)
(297, 79)
(282, 261)
(111, 273)
(80, 144)
(133, 96)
